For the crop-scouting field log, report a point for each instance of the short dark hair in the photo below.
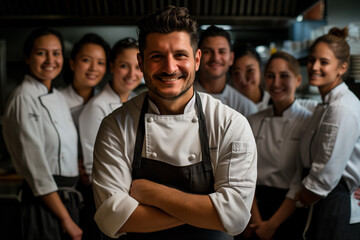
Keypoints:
(39, 32)
(246, 50)
(121, 45)
(168, 20)
(90, 38)
(214, 31)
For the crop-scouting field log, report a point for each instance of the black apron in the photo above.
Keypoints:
(331, 216)
(38, 222)
(197, 178)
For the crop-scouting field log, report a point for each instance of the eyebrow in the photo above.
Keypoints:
(84, 55)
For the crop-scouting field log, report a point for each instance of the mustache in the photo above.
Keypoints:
(173, 75)
(215, 62)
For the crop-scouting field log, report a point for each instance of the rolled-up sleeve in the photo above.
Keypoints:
(112, 179)
(235, 176)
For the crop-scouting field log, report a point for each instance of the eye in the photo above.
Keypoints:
(206, 51)
(122, 65)
(155, 57)
(324, 62)
(270, 76)
(102, 63)
(57, 53)
(40, 53)
(250, 71)
(180, 55)
(223, 51)
(86, 60)
(284, 76)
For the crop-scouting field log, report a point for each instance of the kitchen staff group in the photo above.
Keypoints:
(192, 156)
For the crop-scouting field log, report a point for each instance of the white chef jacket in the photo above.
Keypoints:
(232, 98)
(40, 135)
(90, 118)
(331, 145)
(175, 139)
(278, 144)
(308, 103)
(264, 103)
(75, 102)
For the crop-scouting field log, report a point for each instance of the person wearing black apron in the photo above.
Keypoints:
(330, 147)
(197, 178)
(159, 171)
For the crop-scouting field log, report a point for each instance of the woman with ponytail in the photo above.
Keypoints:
(330, 148)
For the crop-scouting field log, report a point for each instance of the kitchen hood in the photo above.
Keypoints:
(243, 13)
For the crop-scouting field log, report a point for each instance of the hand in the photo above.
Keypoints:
(70, 228)
(144, 191)
(264, 230)
(307, 197)
(357, 195)
(84, 178)
(249, 231)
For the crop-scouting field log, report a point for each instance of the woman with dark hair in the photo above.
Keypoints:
(126, 77)
(246, 75)
(88, 63)
(41, 138)
(277, 132)
(330, 148)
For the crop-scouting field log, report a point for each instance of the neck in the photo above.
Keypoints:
(256, 96)
(211, 84)
(84, 92)
(279, 108)
(327, 88)
(124, 95)
(171, 106)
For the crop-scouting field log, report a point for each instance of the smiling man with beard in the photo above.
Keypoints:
(172, 163)
(216, 59)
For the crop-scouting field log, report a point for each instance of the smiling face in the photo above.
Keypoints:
(216, 57)
(45, 60)
(89, 66)
(245, 75)
(126, 71)
(324, 70)
(281, 82)
(169, 66)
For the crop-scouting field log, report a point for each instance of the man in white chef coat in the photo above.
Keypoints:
(216, 59)
(172, 163)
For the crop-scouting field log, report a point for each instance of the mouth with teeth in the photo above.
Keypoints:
(169, 79)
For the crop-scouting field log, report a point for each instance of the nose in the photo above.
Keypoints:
(93, 66)
(276, 81)
(215, 55)
(49, 57)
(170, 65)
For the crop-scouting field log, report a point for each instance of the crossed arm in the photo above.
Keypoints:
(162, 207)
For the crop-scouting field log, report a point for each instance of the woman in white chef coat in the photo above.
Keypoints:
(126, 77)
(330, 149)
(41, 138)
(88, 63)
(246, 75)
(277, 131)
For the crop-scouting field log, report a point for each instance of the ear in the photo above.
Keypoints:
(72, 64)
(231, 58)
(343, 68)
(140, 61)
(197, 59)
(298, 80)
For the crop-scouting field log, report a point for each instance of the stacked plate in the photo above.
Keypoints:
(355, 66)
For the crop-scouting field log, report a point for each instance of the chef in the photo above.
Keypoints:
(41, 138)
(173, 163)
(216, 59)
